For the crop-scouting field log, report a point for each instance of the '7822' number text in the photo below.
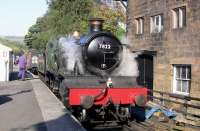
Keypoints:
(105, 46)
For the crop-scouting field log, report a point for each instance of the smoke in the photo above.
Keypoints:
(72, 54)
(129, 65)
(74, 61)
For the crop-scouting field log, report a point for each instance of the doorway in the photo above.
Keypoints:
(145, 67)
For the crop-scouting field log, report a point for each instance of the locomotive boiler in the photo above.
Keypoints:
(83, 73)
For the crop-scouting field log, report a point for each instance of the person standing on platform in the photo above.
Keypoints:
(22, 66)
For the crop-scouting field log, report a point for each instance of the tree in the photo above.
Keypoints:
(15, 46)
(67, 16)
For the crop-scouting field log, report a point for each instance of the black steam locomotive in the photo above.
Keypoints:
(84, 74)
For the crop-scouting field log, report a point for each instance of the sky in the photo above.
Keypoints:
(16, 16)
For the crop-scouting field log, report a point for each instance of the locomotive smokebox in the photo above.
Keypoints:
(96, 24)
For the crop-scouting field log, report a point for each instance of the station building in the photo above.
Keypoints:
(166, 36)
(6, 62)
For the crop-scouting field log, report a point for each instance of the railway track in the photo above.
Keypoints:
(139, 126)
(151, 125)
(133, 126)
(155, 125)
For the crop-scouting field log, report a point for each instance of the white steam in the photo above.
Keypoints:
(129, 65)
(72, 54)
(73, 58)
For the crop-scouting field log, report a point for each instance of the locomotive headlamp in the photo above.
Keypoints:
(76, 34)
(109, 83)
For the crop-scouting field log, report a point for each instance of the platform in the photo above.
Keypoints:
(30, 106)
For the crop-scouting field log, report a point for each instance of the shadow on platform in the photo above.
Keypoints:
(63, 123)
(14, 75)
(6, 98)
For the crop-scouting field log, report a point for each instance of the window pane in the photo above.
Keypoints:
(184, 16)
(160, 23)
(183, 73)
(152, 24)
(178, 85)
(156, 23)
(188, 73)
(182, 78)
(180, 18)
(185, 86)
(178, 70)
(161, 19)
(175, 18)
(141, 25)
(137, 26)
(139, 22)
(157, 20)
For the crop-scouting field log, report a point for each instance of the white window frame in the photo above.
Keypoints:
(139, 25)
(178, 78)
(154, 27)
(179, 17)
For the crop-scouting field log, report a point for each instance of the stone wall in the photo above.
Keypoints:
(173, 46)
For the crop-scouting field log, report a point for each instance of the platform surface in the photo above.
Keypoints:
(30, 106)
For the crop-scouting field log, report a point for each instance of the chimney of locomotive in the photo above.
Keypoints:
(96, 24)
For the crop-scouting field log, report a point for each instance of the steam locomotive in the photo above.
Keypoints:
(84, 73)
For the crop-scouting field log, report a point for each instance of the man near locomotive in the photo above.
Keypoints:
(22, 66)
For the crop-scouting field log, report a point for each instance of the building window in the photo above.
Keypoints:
(182, 79)
(156, 23)
(139, 25)
(179, 17)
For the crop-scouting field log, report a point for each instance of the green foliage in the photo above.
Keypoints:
(120, 33)
(15, 46)
(67, 16)
(111, 17)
